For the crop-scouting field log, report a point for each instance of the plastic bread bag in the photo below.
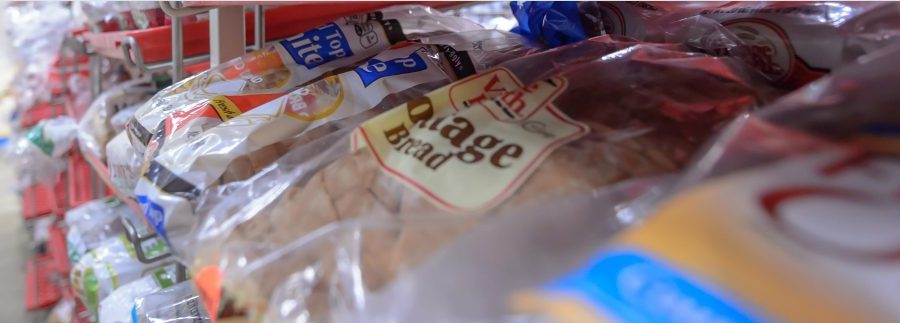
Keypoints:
(788, 215)
(461, 150)
(798, 229)
(226, 205)
(238, 147)
(263, 75)
(111, 265)
(791, 43)
(124, 164)
(39, 152)
(92, 223)
(318, 272)
(117, 307)
(36, 33)
(95, 127)
(176, 304)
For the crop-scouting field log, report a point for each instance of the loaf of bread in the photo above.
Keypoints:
(644, 109)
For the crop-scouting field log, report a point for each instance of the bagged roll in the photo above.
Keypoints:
(93, 222)
(246, 82)
(124, 164)
(39, 153)
(177, 304)
(97, 126)
(473, 147)
(787, 216)
(790, 43)
(117, 307)
(793, 229)
(239, 147)
(109, 266)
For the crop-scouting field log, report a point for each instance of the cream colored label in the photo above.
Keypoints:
(465, 148)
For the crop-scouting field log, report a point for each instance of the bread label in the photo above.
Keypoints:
(225, 108)
(809, 239)
(469, 145)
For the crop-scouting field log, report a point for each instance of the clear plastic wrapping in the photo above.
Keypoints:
(495, 141)
(37, 30)
(39, 152)
(176, 304)
(790, 43)
(242, 145)
(94, 222)
(95, 129)
(112, 264)
(118, 306)
(787, 216)
(265, 74)
(124, 164)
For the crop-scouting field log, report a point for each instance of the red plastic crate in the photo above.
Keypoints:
(38, 201)
(57, 250)
(79, 181)
(40, 112)
(40, 291)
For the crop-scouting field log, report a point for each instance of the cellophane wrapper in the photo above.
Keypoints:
(177, 304)
(651, 108)
(95, 129)
(185, 108)
(833, 141)
(791, 43)
(239, 147)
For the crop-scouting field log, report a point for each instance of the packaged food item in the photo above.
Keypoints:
(63, 311)
(95, 128)
(38, 153)
(177, 304)
(796, 43)
(188, 107)
(471, 147)
(227, 205)
(544, 235)
(239, 147)
(791, 43)
(116, 308)
(111, 265)
(94, 222)
(787, 216)
(124, 164)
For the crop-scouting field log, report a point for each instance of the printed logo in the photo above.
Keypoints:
(636, 288)
(376, 69)
(367, 35)
(769, 48)
(154, 214)
(313, 103)
(841, 220)
(318, 46)
(443, 151)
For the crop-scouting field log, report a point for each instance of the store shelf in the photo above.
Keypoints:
(145, 48)
(40, 290)
(38, 201)
(79, 181)
(103, 174)
(57, 251)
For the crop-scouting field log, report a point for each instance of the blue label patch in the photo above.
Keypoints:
(376, 69)
(318, 46)
(635, 288)
(154, 214)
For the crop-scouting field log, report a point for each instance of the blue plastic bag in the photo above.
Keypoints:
(550, 22)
